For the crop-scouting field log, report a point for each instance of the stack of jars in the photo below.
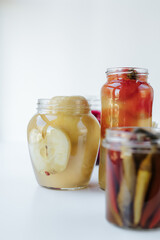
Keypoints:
(64, 138)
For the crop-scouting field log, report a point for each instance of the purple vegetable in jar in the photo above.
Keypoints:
(97, 114)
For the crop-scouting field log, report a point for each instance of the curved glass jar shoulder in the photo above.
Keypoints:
(65, 148)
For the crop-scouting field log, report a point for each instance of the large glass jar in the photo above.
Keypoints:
(126, 100)
(133, 177)
(63, 139)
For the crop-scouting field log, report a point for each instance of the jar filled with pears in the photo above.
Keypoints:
(63, 140)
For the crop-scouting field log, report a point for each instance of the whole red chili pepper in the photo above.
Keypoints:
(116, 163)
(112, 192)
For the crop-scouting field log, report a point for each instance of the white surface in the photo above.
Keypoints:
(30, 212)
(59, 47)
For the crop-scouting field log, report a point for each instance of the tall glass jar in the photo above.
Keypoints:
(126, 100)
(63, 139)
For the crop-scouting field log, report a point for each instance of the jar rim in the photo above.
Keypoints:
(77, 104)
(126, 70)
(133, 137)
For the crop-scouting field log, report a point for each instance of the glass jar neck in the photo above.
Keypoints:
(94, 102)
(127, 74)
(68, 105)
(133, 137)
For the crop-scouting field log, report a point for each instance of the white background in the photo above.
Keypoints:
(30, 212)
(62, 47)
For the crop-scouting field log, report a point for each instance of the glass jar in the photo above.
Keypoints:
(63, 139)
(126, 100)
(95, 105)
(133, 177)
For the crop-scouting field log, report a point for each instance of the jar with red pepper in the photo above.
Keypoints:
(126, 99)
(133, 179)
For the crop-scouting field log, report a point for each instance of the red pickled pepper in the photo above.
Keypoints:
(150, 209)
(154, 197)
(155, 220)
(116, 163)
(111, 186)
(111, 192)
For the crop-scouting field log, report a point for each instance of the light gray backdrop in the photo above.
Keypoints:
(60, 47)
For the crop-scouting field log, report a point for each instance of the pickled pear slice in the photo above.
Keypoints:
(50, 154)
(36, 143)
(35, 136)
(59, 148)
